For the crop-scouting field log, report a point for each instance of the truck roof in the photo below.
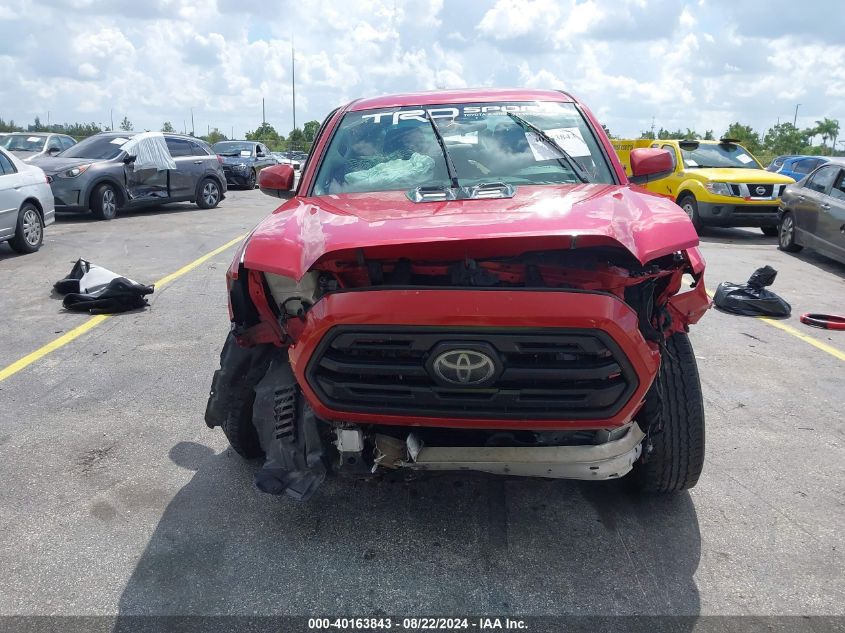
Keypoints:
(472, 95)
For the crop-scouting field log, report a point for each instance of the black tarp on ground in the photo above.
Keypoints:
(94, 289)
(752, 298)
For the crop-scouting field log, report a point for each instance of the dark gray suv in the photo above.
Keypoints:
(97, 174)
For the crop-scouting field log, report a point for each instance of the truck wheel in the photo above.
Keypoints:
(770, 231)
(104, 202)
(29, 230)
(786, 236)
(690, 206)
(677, 451)
(233, 394)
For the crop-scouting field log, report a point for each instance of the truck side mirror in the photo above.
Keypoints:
(649, 164)
(277, 181)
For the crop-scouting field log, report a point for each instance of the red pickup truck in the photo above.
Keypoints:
(465, 280)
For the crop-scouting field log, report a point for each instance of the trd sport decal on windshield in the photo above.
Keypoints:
(450, 113)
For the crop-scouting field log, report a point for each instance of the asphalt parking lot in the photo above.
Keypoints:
(118, 499)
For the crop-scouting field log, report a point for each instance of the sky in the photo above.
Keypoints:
(700, 64)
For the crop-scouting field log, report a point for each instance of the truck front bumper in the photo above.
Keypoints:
(610, 460)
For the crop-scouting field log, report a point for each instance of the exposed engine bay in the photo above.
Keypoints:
(646, 288)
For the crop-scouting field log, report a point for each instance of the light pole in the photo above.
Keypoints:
(293, 82)
(795, 118)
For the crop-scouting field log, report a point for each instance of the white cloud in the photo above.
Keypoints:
(688, 63)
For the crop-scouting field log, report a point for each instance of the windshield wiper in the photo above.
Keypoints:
(450, 166)
(573, 164)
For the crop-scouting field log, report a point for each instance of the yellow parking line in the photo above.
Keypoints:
(836, 353)
(830, 349)
(94, 321)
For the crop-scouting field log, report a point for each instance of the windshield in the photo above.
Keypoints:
(233, 148)
(718, 155)
(96, 147)
(397, 149)
(24, 143)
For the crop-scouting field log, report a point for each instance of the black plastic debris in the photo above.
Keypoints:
(94, 289)
(752, 298)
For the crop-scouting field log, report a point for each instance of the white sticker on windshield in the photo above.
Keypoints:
(571, 140)
(246, 152)
(690, 163)
(33, 139)
(744, 158)
(539, 147)
(119, 141)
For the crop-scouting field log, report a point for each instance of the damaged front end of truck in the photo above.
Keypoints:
(531, 356)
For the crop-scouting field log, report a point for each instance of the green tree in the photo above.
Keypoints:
(310, 130)
(167, 127)
(828, 129)
(785, 138)
(9, 126)
(647, 134)
(708, 135)
(215, 136)
(126, 125)
(267, 134)
(36, 126)
(296, 139)
(746, 136)
(80, 130)
(677, 134)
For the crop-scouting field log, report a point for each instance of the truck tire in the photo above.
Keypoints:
(690, 206)
(233, 394)
(676, 457)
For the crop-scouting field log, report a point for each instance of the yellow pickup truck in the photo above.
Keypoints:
(718, 183)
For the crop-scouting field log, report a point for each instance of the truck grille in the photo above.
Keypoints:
(542, 374)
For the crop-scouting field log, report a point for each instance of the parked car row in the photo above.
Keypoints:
(102, 174)
(292, 158)
(717, 183)
(720, 183)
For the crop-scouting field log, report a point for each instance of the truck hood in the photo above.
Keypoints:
(304, 230)
(728, 174)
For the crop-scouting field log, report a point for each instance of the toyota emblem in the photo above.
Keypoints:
(465, 367)
(760, 191)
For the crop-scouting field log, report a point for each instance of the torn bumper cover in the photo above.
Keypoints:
(610, 460)
(288, 433)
